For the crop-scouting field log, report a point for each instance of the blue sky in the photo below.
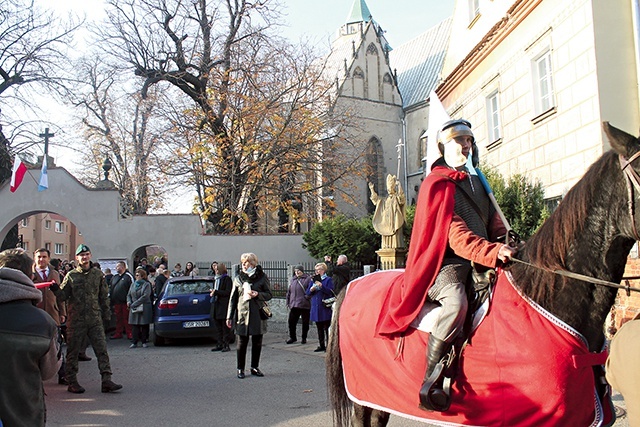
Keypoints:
(402, 20)
(318, 20)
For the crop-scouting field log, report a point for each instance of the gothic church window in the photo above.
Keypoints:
(375, 172)
(372, 49)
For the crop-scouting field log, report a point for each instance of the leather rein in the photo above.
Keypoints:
(632, 179)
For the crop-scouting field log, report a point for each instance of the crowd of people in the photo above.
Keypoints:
(80, 298)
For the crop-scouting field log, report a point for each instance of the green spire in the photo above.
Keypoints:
(359, 12)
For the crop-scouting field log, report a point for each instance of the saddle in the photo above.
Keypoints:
(436, 390)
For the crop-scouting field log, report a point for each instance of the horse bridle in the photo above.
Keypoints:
(632, 179)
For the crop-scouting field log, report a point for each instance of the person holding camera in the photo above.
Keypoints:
(320, 289)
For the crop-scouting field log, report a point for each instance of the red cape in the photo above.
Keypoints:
(429, 238)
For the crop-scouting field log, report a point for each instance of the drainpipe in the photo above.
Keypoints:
(404, 156)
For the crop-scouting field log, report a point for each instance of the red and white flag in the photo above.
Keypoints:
(17, 173)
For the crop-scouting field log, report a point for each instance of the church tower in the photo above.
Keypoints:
(359, 65)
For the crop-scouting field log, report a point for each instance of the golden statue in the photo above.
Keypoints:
(389, 216)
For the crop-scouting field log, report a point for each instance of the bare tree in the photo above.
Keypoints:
(262, 133)
(33, 58)
(126, 128)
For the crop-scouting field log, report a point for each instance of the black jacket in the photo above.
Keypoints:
(220, 299)
(120, 284)
(341, 276)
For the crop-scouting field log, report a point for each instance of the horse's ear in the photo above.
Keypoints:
(620, 141)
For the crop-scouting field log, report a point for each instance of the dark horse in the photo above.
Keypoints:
(590, 233)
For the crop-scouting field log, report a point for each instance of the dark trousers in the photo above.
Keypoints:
(61, 356)
(323, 332)
(256, 349)
(222, 334)
(140, 333)
(294, 315)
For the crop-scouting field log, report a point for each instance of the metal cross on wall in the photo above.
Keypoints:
(46, 135)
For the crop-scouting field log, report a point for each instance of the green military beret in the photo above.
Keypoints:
(82, 248)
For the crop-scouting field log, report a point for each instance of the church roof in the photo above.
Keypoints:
(342, 49)
(418, 63)
(359, 12)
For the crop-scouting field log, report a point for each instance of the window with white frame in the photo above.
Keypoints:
(543, 83)
(59, 249)
(25, 222)
(474, 9)
(493, 117)
(59, 227)
(47, 246)
(47, 224)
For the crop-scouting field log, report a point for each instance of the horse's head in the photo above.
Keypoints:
(590, 233)
(628, 149)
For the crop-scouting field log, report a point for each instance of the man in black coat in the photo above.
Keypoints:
(118, 290)
(341, 274)
(219, 305)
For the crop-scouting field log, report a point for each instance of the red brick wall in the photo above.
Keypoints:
(626, 307)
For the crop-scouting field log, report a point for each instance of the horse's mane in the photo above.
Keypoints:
(549, 246)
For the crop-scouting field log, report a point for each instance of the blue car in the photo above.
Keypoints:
(182, 309)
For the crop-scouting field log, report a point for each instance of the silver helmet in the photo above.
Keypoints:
(454, 128)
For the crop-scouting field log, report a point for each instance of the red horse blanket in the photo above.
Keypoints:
(523, 366)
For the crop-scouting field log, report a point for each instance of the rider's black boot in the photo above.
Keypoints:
(432, 395)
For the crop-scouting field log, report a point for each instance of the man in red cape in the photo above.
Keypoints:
(454, 224)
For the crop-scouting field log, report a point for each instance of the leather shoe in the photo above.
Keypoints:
(62, 381)
(291, 340)
(319, 349)
(83, 358)
(108, 386)
(240, 374)
(75, 388)
(304, 341)
(257, 372)
(217, 348)
(225, 349)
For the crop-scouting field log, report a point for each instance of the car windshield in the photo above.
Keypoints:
(185, 288)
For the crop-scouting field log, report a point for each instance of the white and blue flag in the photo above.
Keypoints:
(44, 179)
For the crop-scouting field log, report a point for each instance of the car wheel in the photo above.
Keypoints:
(157, 340)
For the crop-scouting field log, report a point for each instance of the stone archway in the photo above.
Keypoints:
(154, 253)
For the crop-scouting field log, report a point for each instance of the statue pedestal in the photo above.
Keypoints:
(391, 258)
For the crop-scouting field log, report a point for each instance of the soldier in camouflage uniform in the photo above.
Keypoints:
(87, 295)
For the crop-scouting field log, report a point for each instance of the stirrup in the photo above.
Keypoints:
(435, 393)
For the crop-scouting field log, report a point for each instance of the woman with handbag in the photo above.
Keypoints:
(320, 289)
(248, 304)
(140, 308)
(298, 303)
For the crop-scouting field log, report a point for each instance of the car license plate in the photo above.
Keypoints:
(197, 324)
